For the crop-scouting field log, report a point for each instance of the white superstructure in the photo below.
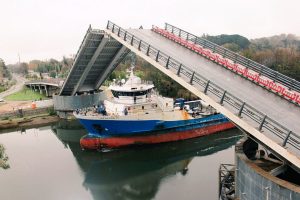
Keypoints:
(135, 99)
(135, 95)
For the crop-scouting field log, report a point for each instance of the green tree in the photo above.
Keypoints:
(239, 40)
(52, 74)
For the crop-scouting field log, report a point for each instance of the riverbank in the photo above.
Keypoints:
(28, 122)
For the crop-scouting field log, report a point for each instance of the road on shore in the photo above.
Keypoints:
(8, 106)
(20, 80)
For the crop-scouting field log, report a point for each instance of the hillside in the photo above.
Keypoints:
(233, 42)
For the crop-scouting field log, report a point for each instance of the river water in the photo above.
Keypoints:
(47, 163)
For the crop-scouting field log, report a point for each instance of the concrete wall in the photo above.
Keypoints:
(253, 183)
(25, 112)
(70, 103)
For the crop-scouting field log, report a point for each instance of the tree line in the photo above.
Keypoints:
(54, 68)
(4, 73)
(5, 76)
(280, 52)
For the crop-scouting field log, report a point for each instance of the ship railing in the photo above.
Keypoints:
(92, 111)
(119, 83)
(146, 82)
(279, 133)
(155, 94)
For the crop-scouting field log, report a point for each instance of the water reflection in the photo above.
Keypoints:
(136, 173)
(3, 158)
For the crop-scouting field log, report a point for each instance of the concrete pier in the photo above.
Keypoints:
(262, 176)
(64, 105)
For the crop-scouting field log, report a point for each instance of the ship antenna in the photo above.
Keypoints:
(132, 65)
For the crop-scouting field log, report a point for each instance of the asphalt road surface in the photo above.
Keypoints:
(15, 88)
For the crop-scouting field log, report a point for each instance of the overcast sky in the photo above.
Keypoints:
(43, 29)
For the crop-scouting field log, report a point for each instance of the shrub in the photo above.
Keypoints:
(51, 111)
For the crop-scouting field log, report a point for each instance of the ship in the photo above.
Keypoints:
(136, 114)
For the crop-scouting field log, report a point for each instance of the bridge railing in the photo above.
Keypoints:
(220, 95)
(236, 58)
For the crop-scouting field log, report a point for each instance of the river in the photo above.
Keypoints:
(47, 163)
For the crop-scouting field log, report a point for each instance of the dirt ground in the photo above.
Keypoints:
(14, 105)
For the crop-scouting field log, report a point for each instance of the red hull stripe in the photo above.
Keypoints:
(114, 142)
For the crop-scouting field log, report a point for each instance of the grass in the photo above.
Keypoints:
(25, 94)
(2, 88)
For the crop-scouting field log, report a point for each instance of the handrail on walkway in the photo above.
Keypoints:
(274, 81)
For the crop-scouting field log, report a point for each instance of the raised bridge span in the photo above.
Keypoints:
(263, 102)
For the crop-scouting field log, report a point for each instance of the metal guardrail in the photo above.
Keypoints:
(226, 182)
(292, 84)
(45, 81)
(222, 96)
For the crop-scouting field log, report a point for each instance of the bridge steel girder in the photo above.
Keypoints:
(79, 53)
(90, 64)
(113, 64)
(47, 94)
(40, 88)
(290, 158)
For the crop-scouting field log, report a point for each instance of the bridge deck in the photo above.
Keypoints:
(272, 105)
(96, 58)
(57, 82)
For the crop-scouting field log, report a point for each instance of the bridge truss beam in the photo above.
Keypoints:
(113, 64)
(90, 64)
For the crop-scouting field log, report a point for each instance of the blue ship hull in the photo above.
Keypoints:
(113, 128)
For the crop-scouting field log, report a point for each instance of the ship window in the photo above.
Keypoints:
(130, 94)
(115, 94)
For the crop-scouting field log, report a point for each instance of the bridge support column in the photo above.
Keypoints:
(47, 95)
(40, 88)
(261, 176)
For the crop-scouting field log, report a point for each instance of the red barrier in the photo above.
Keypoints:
(239, 69)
